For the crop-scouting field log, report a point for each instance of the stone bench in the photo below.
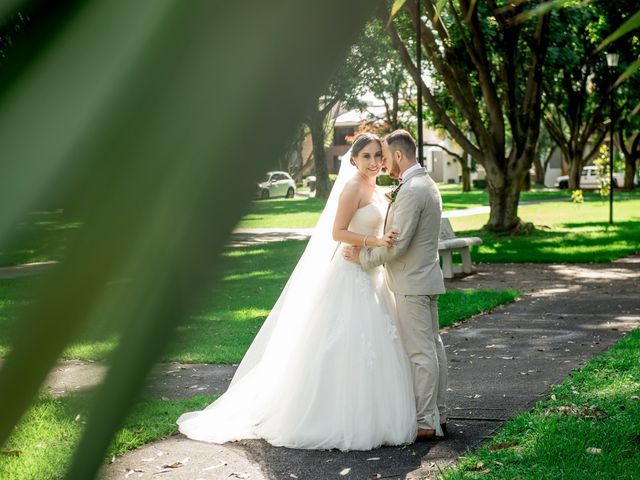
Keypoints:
(449, 243)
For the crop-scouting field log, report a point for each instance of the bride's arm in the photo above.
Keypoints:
(347, 207)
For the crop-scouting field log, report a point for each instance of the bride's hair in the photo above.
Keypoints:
(362, 140)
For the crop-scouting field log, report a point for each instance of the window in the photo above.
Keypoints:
(340, 134)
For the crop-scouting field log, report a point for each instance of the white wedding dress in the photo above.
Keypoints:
(329, 373)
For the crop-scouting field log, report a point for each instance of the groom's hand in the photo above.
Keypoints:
(351, 253)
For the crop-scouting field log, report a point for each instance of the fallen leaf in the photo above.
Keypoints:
(173, 465)
(477, 466)
(553, 397)
(212, 467)
(594, 450)
(502, 445)
(12, 453)
(345, 471)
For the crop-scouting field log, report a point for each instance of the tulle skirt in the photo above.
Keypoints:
(335, 377)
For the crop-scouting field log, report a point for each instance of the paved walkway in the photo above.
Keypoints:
(500, 364)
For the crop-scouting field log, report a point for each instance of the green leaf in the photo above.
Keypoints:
(397, 5)
(439, 7)
(153, 127)
(541, 9)
(633, 68)
(632, 24)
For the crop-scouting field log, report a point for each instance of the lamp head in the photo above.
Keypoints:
(612, 59)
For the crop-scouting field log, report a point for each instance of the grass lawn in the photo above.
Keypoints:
(42, 445)
(304, 213)
(233, 312)
(283, 213)
(42, 236)
(454, 198)
(589, 427)
(565, 232)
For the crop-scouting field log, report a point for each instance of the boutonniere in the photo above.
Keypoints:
(391, 196)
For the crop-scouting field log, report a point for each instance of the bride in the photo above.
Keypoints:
(327, 369)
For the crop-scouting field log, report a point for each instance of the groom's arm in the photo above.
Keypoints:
(405, 220)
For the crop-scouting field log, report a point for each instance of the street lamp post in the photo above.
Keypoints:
(612, 62)
(419, 82)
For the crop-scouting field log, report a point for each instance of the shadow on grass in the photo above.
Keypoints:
(42, 236)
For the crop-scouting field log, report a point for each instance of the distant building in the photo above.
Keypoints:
(442, 166)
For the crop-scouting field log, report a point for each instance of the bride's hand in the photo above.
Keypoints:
(389, 239)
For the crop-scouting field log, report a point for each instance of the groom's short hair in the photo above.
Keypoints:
(403, 141)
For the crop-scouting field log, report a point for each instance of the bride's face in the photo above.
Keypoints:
(369, 159)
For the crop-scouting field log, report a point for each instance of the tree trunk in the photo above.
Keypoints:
(630, 166)
(575, 170)
(537, 163)
(504, 195)
(316, 127)
(466, 173)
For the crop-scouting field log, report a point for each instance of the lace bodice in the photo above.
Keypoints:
(368, 220)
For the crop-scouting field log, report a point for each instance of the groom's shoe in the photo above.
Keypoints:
(425, 435)
(429, 434)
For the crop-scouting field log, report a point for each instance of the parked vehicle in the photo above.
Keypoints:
(589, 179)
(276, 184)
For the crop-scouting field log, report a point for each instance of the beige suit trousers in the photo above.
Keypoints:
(419, 330)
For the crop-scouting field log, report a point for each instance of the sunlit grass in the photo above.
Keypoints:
(597, 407)
(283, 213)
(41, 446)
(565, 232)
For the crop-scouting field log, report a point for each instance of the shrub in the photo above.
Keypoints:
(384, 180)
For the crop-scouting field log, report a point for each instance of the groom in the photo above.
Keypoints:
(413, 273)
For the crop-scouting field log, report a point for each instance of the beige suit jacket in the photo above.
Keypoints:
(412, 266)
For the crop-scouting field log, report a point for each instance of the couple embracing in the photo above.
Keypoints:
(350, 357)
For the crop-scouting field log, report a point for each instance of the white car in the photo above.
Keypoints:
(276, 184)
(589, 179)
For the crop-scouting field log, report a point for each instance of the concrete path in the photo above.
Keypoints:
(25, 269)
(501, 363)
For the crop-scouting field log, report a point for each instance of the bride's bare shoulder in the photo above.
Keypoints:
(352, 188)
